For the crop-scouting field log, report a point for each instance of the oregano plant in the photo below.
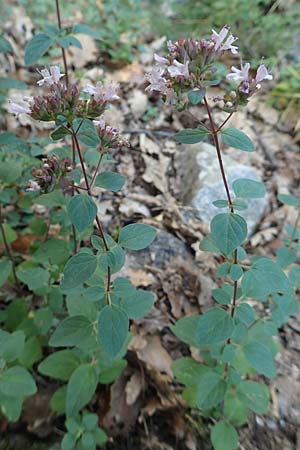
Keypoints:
(236, 341)
(84, 308)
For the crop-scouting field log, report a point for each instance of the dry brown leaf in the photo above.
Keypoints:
(155, 356)
(133, 388)
(156, 172)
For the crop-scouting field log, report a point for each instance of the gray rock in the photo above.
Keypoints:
(201, 184)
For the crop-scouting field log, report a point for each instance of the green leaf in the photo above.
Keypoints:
(237, 139)
(36, 48)
(191, 135)
(82, 211)
(264, 278)
(11, 83)
(55, 198)
(78, 270)
(68, 442)
(210, 390)
(195, 97)
(67, 41)
(113, 258)
(112, 181)
(59, 133)
(294, 276)
(10, 171)
(224, 436)
(71, 331)
(228, 231)
(81, 388)
(236, 272)
(11, 407)
(245, 313)
(254, 396)
(109, 374)
(188, 371)
(246, 188)
(60, 365)
(112, 329)
(34, 277)
(222, 295)
(214, 326)
(285, 256)
(58, 400)
(101, 436)
(260, 358)
(88, 441)
(55, 250)
(82, 28)
(289, 199)
(5, 270)
(136, 236)
(11, 345)
(5, 45)
(235, 410)
(31, 353)
(87, 133)
(90, 421)
(17, 381)
(221, 203)
(208, 244)
(138, 304)
(185, 329)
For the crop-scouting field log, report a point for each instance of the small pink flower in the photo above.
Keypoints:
(100, 122)
(262, 74)
(156, 81)
(16, 108)
(160, 60)
(110, 93)
(33, 186)
(100, 93)
(51, 77)
(221, 44)
(239, 75)
(178, 69)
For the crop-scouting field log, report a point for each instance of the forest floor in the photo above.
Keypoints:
(142, 409)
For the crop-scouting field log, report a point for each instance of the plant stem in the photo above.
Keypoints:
(8, 249)
(214, 132)
(88, 187)
(62, 49)
(96, 170)
(225, 121)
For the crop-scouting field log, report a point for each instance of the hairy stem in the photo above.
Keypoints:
(62, 49)
(8, 249)
(214, 132)
(88, 188)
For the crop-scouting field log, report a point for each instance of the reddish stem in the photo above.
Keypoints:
(214, 132)
(62, 49)
(8, 249)
(88, 188)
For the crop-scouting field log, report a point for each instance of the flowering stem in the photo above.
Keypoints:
(96, 170)
(225, 121)
(214, 132)
(62, 49)
(8, 249)
(88, 188)
(72, 194)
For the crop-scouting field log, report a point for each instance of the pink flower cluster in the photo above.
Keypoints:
(54, 171)
(109, 136)
(189, 64)
(62, 100)
(186, 63)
